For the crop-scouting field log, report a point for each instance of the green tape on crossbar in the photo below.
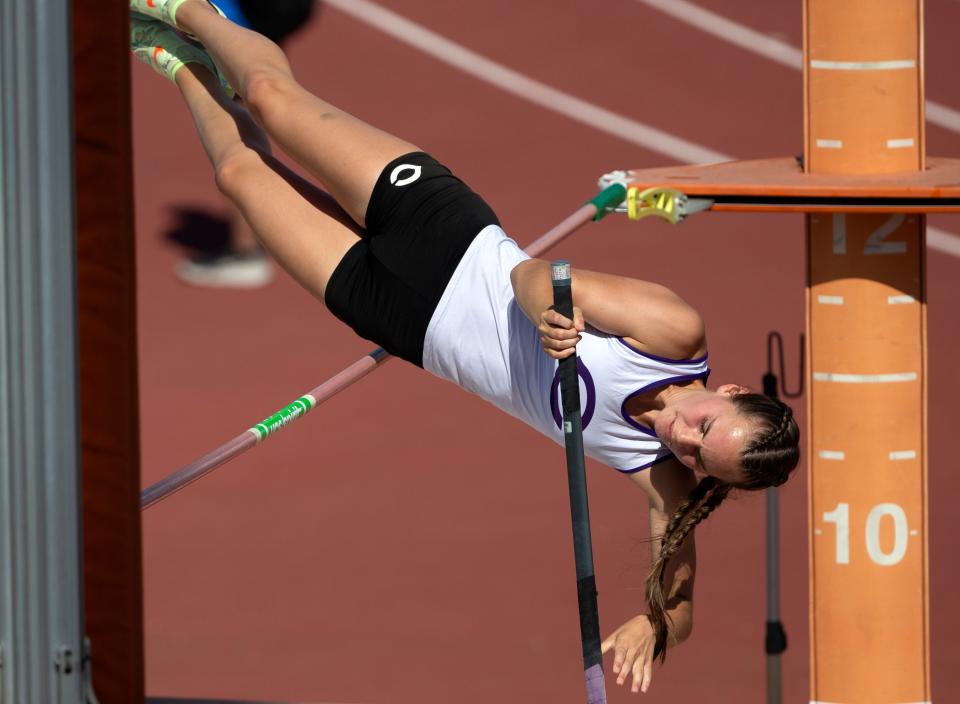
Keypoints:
(608, 199)
(283, 417)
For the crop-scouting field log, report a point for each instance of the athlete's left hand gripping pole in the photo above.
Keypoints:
(579, 507)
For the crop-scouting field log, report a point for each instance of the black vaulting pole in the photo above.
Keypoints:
(579, 507)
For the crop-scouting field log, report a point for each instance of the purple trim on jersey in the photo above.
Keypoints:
(656, 384)
(590, 387)
(665, 360)
(648, 465)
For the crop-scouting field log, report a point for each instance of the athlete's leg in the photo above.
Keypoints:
(304, 230)
(344, 153)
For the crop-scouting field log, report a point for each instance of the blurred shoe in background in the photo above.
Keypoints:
(226, 269)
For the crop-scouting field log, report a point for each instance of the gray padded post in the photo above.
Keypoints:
(41, 604)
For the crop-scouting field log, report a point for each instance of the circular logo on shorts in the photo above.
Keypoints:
(412, 172)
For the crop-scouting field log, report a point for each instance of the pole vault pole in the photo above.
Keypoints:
(579, 506)
(595, 209)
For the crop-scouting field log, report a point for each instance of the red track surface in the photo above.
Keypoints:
(407, 543)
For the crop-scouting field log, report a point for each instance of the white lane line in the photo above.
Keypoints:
(768, 47)
(894, 65)
(864, 378)
(900, 300)
(903, 455)
(830, 143)
(831, 455)
(507, 79)
(730, 31)
(948, 118)
(525, 87)
(899, 143)
(830, 300)
(943, 241)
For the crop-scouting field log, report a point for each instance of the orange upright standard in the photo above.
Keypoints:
(865, 185)
(866, 325)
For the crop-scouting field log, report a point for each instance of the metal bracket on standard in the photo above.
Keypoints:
(65, 663)
(665, 203)
(668, 204)
(65, 666)
(87, 665)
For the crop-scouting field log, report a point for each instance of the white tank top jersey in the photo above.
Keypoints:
(479, 339)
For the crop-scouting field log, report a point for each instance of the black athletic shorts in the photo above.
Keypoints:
(420, 221)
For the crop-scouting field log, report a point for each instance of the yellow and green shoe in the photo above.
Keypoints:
(163, 10)
(166, 51)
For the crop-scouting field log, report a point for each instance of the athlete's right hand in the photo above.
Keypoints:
(558, 334)
(632, 646)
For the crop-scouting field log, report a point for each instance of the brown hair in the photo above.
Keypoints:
(768, 459)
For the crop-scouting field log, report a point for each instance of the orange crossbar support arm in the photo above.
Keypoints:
(781, 185)
(866, 331)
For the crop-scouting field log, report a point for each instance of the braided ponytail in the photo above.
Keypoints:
(768, 459)
(701, 502)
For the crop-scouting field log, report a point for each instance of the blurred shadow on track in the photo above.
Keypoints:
(199, 230)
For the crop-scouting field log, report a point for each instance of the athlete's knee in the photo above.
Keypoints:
(268, 93)
(235, 169)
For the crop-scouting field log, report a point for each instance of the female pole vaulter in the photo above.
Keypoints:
(412, 259)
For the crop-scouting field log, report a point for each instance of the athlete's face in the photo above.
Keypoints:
(705, 432)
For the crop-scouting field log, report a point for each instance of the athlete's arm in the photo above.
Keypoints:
(648, 316)
(667, 485)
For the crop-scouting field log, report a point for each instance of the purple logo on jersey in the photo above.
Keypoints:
(588, 389)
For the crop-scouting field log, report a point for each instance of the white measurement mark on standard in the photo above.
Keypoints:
(896, 64)
(832, 455)
(830, 143)
(830, 300)
(899, 143)
(900, 300)
(864, 378)
(903, 455)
